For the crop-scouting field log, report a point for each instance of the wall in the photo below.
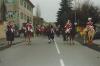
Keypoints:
(2, 31)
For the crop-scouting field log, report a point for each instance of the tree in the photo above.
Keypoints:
(64, 12)
(88, 10)
(3, 11)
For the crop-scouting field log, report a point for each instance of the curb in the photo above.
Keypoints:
(5, 46)
(93, 46)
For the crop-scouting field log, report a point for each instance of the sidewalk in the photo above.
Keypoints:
(3, 42)
(97, 42)
(94, 46)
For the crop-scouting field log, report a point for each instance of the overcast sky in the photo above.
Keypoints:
(49, 8)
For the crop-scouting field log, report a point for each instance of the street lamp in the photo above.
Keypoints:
(77, 4)
(75, 13)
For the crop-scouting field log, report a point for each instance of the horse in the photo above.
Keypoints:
(28, 36)
(22, 33)
(89, 33)
(67, 32)
(70, 34)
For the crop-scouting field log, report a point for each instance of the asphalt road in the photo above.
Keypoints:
(40, 53)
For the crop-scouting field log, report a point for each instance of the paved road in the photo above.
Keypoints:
(40, 53)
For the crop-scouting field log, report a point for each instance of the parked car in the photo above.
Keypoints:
(97, 35)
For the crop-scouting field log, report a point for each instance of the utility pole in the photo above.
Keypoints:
(77, 5)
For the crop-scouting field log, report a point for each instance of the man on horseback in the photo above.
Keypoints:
(90, 31)
(29, 31)
(50, 33)
(68, 27)
(89, 24)
(10, 32)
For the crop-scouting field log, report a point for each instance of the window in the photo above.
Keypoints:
(21, 2)
(24, 17)
(11, 1)
(21, 15)
(10, 14)
(25, 4)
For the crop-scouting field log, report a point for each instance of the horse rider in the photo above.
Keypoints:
(90, 30)
(66, 30)
(10, 33)
(50, 33)
(89, 24)
(68, 26)
(29, 30)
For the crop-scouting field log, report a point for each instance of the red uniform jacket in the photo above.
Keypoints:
(28, 26)
(9, 27)
(89, 24)
(67, 26)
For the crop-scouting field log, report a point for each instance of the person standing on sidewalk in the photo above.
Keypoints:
(10, 33)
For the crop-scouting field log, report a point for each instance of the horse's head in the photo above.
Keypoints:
(85, 31)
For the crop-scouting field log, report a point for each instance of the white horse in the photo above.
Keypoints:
(89, 33)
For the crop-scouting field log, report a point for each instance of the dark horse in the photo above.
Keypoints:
(70, 35)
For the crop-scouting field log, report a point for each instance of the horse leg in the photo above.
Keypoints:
(73, 41)
(84, 39)
(70, 40)
(88, 38)
(67, 36)
(10, 43)
(29, 39)
(91, 40)
(64, 36)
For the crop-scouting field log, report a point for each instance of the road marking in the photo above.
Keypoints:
(57, 48)
(59, 53)
(62, 62)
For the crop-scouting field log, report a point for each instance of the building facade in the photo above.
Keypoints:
(37, 21)
(0, 8)
(19, 11)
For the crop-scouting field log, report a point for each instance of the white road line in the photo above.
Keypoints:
(57, 48)
(62, 62)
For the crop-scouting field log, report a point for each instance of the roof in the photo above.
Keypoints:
(31, 3)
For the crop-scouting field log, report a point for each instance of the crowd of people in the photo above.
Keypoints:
(68, 31)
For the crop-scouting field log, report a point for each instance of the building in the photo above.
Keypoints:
(38, 21)
(19, 11)
(2, 25)
(1, 3)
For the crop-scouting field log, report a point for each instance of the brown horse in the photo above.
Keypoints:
(28, 36)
